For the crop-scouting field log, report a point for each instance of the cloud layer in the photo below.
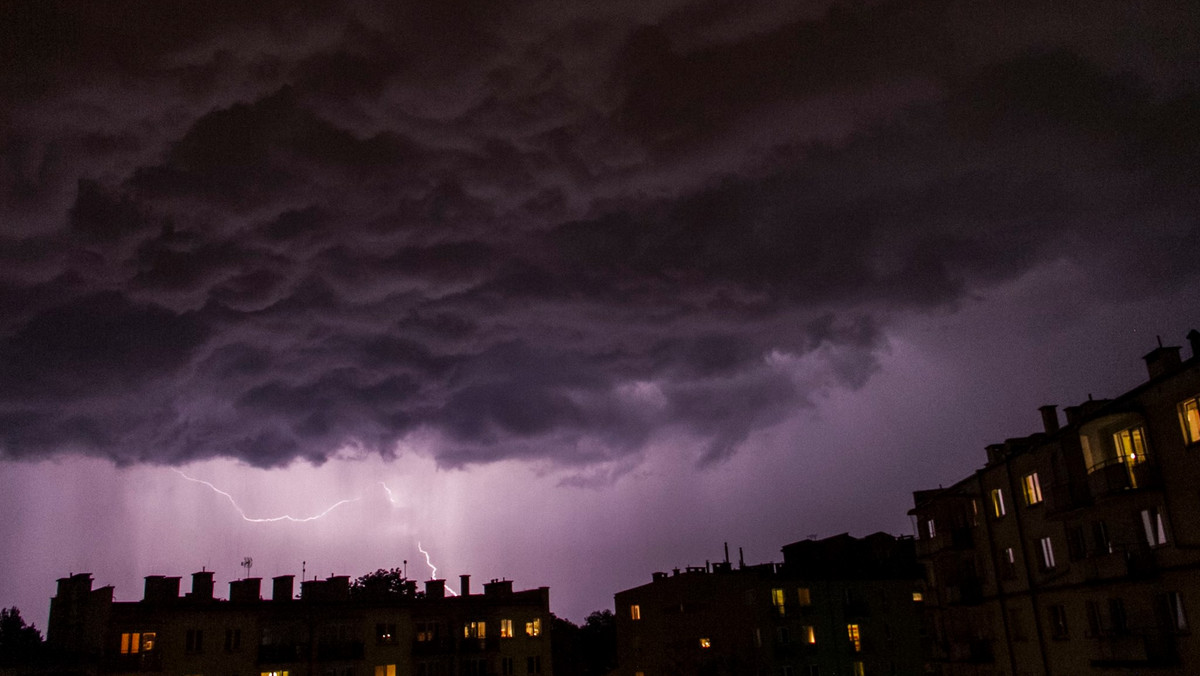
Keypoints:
(546, 232)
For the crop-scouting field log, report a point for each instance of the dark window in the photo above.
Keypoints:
(1058, 622)
(1076, 544)
(533, 664)
(233, 640)
(194, 641)
(1116, 616)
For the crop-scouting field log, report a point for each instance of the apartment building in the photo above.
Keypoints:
(841, 605)
(326, 631)
(1075, 550)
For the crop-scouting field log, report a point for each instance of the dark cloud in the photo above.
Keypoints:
(543, 232)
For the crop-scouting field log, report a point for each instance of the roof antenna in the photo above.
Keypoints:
(741, 559)
(727, 553)
(1159, 340)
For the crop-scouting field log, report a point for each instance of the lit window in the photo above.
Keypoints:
(1189, 419)
(705, 643)
(997, 502)
(860, 669)
(918, 596)
(534, 626)
(855, 639)
(1152, 524)
(1032, 488)
(274, 673)
(475, 630)
(385, 633)
(810, 634)
(137, 642)
(930, 529)
(805, 596)
(777, 599)
(1047, 553)
(506, 629)
(385, 670)
(1131, 445)
(635, 612)
(426, 632)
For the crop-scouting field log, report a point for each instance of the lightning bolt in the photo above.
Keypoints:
(391, 497)
(272, 519)
(432, 567)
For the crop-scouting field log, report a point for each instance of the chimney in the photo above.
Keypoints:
(1193, 337)
(464, 585)
(1162, 360)
(245, 591)
(498, 588)
(281, 587)
(202, 586)
(1049, 418)
(160, 589)
(435, 589)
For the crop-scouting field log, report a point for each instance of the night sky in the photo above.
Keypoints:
(565, 292)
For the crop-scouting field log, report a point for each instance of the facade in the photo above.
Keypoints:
(327, 631)
(839, 606)
(1075, 550)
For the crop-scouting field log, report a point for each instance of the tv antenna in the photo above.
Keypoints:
(247, 563)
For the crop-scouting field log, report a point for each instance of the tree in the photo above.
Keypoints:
(383, 582)
(18, 641)
(598, 643)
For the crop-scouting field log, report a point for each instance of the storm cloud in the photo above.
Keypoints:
(546, 232)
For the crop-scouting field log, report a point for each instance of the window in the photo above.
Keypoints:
(533, 664)
(1076, 544)
(859, 669)
(1131, 445)
(855, 638)
(1095, 628)
(385, 633)
(506, 666)
(1047, 553)
(782, 636)
(1058, 622)
(1176, 617)
(1016, 625)
(385, 670)
(804, 596)
(1100, 538)
(233, 640)
(1032, 489)
(809, 634)
(997, 502)
(757, 637)
(1152, 524)
(475, 630)
(705, 643)
(814, 670)
(930, 529)
(1189, 420)
(1117, 617)
(194, 641)
(426, 632)
(506, 629)
(136, 642)
(274, 673)
(635, 612)
(1008, 564)
(918, 597)
(534, 626)
(777, 599)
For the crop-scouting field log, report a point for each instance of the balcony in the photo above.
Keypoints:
(961, 538)
(1116, 477)
(968, 591)
(342, 650)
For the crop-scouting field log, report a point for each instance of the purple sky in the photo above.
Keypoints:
(564, 293)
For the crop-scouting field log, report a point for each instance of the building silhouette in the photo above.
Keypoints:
(841, 605)
(326, 631)
(1075, 550)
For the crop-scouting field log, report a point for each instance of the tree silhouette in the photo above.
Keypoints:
(383, 583)
(18, 642)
